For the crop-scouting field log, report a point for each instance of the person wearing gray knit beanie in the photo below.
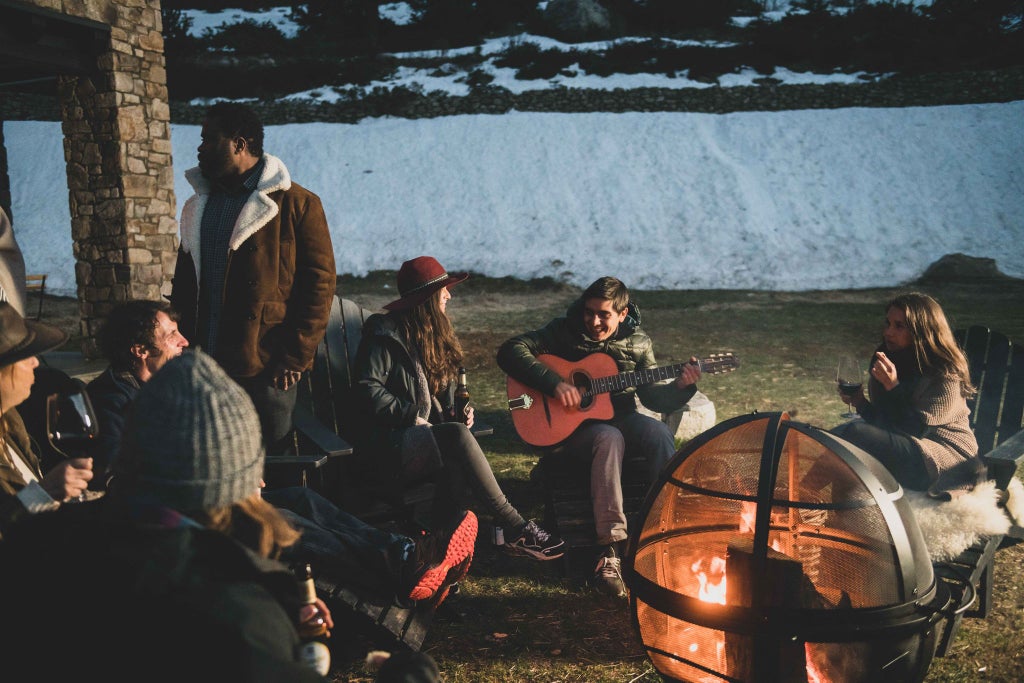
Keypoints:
(192, 441)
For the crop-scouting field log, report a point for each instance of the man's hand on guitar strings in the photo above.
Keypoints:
(567, 395)
(690, 374)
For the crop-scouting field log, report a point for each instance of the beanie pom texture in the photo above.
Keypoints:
(194, 440)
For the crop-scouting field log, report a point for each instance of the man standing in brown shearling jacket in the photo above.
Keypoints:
(255, 272)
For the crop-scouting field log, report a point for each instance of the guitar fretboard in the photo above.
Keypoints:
(638, 378)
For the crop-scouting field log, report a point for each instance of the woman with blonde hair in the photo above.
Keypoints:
(406, 429)
(24, 488)
(915, 415)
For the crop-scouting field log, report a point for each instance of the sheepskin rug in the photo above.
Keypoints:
(952, 526)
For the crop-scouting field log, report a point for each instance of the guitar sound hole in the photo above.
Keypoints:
(582, 383)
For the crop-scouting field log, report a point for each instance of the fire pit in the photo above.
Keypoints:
(772, 551)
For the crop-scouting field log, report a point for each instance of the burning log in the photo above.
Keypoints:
(780, 582)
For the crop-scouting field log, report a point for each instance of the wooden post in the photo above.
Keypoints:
(780, 582)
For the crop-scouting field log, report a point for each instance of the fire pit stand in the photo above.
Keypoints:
(774, 552)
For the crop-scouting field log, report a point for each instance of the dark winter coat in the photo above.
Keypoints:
(280, 275)
(565, 337)
(383, 396)
(94, 597)
(111, 393)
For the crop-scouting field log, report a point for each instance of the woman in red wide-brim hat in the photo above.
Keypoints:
(407, 430)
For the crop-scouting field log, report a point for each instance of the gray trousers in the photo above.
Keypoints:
(604, 445)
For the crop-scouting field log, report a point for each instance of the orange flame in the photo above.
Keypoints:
(712, 581)
(813, 674)
(748, 512)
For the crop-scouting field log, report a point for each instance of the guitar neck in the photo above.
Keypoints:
(639, 378)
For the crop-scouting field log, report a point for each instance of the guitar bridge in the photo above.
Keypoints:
(522, 403)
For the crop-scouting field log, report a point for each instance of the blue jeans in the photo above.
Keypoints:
(345, 547)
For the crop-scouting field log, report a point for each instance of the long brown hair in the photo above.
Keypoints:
(252, 522)
(427, 329)
(935, 347)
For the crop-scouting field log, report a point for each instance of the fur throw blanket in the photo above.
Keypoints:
(952, 526)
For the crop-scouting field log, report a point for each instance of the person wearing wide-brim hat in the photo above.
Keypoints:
(419, 279)
(405, 428)
(24, 488)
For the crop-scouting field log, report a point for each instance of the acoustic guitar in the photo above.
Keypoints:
(540, 420)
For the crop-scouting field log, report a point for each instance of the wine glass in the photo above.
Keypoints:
(71, 423)
(850, 378)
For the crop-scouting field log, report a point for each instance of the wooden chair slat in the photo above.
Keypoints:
(322, 380)
(997, 371)
(990, 392)
(355, 316)
(1011, 419)
(974, 342)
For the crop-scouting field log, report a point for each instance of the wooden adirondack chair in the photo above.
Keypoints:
(997, 371)
(320, 418)
(319, 460)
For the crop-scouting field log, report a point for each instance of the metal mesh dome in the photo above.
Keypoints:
(772, 550)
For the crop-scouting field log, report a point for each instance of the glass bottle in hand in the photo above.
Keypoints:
(314, 630)
(462, 398)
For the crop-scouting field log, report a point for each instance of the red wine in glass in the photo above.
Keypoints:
(849, 388)
(850, 378)
(71, 424)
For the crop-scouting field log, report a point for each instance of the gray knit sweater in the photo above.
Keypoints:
(932, 411)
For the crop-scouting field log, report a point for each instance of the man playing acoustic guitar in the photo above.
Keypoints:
(604, 321)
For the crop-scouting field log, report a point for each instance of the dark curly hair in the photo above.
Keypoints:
(130, 323)
(236, 120)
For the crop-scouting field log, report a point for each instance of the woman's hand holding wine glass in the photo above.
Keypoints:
(71, 427)
(850, 378)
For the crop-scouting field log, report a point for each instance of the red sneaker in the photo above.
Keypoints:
(439, 553)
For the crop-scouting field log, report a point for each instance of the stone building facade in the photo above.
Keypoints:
(116, 123)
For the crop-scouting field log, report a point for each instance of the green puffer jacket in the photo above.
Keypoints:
(383, 397)
(631, 348)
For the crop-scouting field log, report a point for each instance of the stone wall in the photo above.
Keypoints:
(117, 147)
(923, 90)
(1004, 85)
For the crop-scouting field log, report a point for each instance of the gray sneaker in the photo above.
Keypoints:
(608, 574)
(536, 543)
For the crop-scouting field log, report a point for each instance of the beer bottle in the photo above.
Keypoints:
(462, 398)
(313, 632)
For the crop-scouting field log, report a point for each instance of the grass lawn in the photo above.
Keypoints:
(516, 620)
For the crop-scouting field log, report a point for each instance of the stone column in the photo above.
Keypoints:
(5, 180)
(118, 151)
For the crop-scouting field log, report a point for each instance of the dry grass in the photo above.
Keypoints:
(519, 621)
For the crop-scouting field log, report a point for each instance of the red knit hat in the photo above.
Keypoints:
(419, 278)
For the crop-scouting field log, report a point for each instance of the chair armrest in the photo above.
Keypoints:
(1004, 459)
(323, 438)
(302, 461)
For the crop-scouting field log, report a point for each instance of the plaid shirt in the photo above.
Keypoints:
(222, 209)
